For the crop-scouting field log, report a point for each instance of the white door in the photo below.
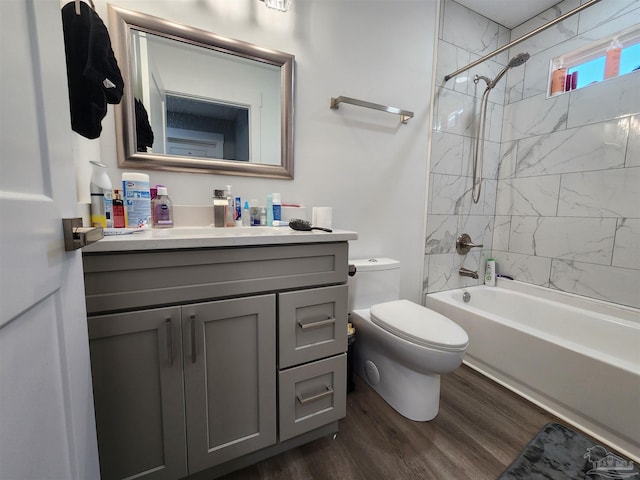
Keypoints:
(47, 428)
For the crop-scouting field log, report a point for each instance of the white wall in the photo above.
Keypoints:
(365, 164)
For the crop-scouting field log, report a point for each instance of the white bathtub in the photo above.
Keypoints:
(577, 358)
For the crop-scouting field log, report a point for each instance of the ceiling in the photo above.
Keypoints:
(509, 13)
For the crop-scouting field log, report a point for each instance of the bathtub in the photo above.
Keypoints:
(575, 357)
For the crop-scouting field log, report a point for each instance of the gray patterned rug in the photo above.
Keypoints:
(559, 453)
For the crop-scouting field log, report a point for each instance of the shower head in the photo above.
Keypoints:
(518, 60)
(514, 62)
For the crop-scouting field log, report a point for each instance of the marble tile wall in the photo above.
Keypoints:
(465, 36)
(561, 198)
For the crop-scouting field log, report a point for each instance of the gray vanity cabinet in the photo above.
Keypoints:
(136, 364)
(190, 349)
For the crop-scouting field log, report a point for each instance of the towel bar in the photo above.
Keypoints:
(405, 115)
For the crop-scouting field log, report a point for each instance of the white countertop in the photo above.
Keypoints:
(208, 237)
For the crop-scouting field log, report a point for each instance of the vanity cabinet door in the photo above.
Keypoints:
(230, 378)
(312, 324)
(136, 365)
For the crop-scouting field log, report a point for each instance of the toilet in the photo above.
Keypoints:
(402, 348)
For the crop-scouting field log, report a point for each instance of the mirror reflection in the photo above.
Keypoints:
(196, 101)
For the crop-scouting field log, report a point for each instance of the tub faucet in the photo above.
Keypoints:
(464, 272)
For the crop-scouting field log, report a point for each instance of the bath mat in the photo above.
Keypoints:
(559, 453)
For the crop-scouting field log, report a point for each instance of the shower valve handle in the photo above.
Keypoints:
(464, 244)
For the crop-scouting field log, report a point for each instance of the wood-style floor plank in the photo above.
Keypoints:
(480, 429)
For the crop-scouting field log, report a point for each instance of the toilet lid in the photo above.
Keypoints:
(419, 325)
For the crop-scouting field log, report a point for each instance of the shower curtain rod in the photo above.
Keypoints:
(522, 38)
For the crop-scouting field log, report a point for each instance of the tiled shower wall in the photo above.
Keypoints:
(561, 203)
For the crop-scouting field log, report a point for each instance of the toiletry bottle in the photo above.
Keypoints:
(118, 209)
(490, 273)
(269, 212)
(558, 79)
(263, 217)
(277, 207)
(238, 213)
(162, 209)
(246, 217)
(100, 190)
(219, 206)
(137, 199)
(229, 211)
(612, 60)
(254, 213)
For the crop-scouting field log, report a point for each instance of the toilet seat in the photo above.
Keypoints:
(419, 325)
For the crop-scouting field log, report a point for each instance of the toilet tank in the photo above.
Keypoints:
(376, 280)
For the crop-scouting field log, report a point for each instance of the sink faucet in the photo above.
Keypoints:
(464, 272)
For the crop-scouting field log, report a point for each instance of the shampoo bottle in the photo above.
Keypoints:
(490, 273)
(162, 209)
(612, 60)
(558, 79)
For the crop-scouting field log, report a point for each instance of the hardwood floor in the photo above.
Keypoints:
(480, 429)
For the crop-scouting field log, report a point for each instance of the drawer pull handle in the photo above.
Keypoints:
(167, 326)
(192, 319)
(315, 397)
(317, 324)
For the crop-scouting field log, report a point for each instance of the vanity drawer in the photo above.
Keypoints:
(313, 324)
(312, 395)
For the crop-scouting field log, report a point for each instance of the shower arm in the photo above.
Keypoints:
(521, 39)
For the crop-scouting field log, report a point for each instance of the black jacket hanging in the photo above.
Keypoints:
(144, 133)
(93, 75)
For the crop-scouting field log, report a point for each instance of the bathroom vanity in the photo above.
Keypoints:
(212, 349)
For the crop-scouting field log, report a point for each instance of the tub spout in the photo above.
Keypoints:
(464, 272)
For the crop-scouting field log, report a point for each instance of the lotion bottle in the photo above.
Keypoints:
(612, 60)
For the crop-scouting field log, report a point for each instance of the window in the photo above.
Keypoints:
(589, 65)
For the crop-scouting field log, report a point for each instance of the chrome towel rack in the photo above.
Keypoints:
(405, 115)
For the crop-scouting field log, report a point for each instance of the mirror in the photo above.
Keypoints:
(195, 101)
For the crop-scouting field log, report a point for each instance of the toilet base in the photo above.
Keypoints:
(414, 395)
